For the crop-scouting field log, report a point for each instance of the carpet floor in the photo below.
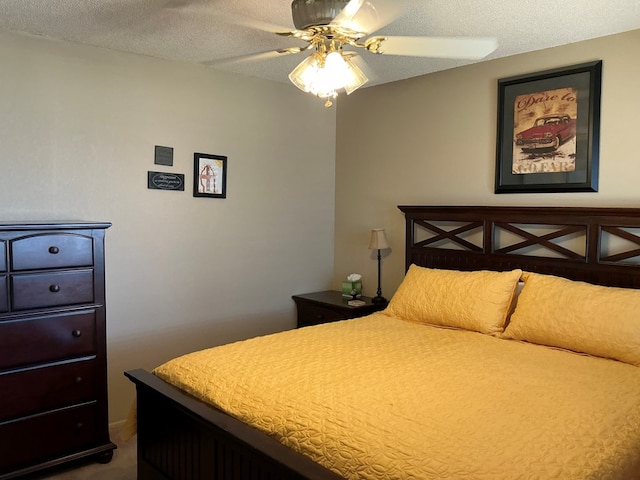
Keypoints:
(121, 467)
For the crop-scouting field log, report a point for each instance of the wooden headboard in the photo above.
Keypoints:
(596, 245)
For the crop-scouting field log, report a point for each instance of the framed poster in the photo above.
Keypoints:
(549, 131)
(209, 175)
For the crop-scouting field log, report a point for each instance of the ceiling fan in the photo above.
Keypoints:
(327, 26)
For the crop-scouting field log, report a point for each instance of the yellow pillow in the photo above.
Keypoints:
(477, 301)
(578, 316)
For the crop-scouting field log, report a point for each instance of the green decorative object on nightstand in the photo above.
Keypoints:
(352, 286)
(352, 289)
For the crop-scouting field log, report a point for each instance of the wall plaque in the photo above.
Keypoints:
(165, 181)
(164, 156)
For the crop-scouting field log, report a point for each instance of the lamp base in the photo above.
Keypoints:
(378, 300)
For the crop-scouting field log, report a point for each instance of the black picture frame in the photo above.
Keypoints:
(534, 112)
(209, 175)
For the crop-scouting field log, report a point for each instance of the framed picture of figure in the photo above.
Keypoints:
(209, 175)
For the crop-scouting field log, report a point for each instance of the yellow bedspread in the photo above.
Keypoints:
(381, 398)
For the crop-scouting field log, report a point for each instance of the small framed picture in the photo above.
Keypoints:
(209, 175)
(549, 131)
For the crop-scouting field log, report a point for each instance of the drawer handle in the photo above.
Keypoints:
(54, 288)
(54, 250)
(76, 333)
(319, 316)
(78, 380)
(79, 426)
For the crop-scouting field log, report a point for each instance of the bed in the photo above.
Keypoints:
(577, 377)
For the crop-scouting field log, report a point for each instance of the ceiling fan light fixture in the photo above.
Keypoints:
(311, 76)
(323, 74)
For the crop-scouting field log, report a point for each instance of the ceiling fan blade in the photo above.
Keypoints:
(367, 17)
(433, 47)
(253, 23)
(227, 18)
(252, 57)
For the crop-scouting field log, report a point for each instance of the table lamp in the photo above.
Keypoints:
(378, 242)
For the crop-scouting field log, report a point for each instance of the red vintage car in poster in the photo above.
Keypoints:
(547, 133)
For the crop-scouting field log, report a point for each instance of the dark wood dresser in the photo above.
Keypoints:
(53, 371)
(330, 306)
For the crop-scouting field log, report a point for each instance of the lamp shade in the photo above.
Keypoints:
(378, 239)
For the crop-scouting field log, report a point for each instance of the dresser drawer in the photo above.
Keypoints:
(40, 438)
(51, 250)
(3, 294)
(51, 387)
(39, 290)
(314, 315)
(46, 339)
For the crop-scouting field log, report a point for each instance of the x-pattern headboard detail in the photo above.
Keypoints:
(629, 254)
(453, 235)
(532, 240)
(597, 245)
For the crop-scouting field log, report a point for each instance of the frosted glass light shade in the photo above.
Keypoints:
(303, 76)
(356, 77)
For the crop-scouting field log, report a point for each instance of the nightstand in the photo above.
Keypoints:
(330, 306)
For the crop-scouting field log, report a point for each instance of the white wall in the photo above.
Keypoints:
(431, 140)
(78, 126)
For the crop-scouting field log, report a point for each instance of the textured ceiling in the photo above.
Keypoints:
(206, 31)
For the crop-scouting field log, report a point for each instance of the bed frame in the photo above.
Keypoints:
(181, 438)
